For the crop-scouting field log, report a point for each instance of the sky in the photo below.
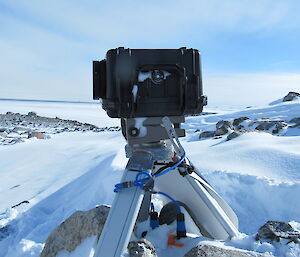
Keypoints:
(249, 49)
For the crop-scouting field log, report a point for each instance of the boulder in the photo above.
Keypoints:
(207, 134)
(223, 127)
(237, 122)
(291, 96)
(141, 248)
(32, 114)
(70, 233)
(233, 135)
(276, 230)
(38, 135)
(215, 251)
(296, 122)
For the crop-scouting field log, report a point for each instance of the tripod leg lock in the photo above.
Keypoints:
(149, 185)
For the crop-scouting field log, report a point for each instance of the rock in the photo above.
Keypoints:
(276, 230)
(141, 248)
(69, 234)
(32, 114)
(215, 251)
(207, 134)
(223, 127)
(233, 135)
(291, 96)
(38, 135)
(266, 124)
(278, 127)
(237, 122)
(296, 122)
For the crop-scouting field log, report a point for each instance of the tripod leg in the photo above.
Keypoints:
(144, 211)
(211, 213)
(124, 211)
(120, 222)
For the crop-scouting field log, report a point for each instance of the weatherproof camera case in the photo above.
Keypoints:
(149, 82)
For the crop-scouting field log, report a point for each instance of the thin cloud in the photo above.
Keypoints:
(47, 46)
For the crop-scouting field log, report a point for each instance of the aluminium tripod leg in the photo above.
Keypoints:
(124, 211)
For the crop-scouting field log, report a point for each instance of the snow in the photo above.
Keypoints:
(256, 173)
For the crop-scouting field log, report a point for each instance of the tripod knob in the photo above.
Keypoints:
(134, 132)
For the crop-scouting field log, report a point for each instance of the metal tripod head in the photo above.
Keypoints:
(150, 129)
(153, 132)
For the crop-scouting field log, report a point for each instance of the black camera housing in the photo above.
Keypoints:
(149, 82)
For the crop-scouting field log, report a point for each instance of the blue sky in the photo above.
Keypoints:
(249, 48)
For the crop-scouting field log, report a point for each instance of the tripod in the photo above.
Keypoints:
(153, 143)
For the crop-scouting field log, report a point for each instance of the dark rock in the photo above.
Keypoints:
(233, 135)
(215, 251)
(207, 134)
(296, 122)
(236, 122)
(69, 234)
(267, 124)
(291, 96)
(276, 230)
(32, 114)
(141, 248)
(223, 127)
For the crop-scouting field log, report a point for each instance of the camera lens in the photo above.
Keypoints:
(157, 76)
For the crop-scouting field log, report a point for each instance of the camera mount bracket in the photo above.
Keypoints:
(150, 129)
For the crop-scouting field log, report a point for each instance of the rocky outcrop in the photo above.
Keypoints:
(69, 234)
(16, 127)
(141, 248)
(214, 251)
(270, 125)
(276, 230)
(244, 124)
(291, 96)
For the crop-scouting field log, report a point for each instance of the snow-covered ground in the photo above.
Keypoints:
(258, 174)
